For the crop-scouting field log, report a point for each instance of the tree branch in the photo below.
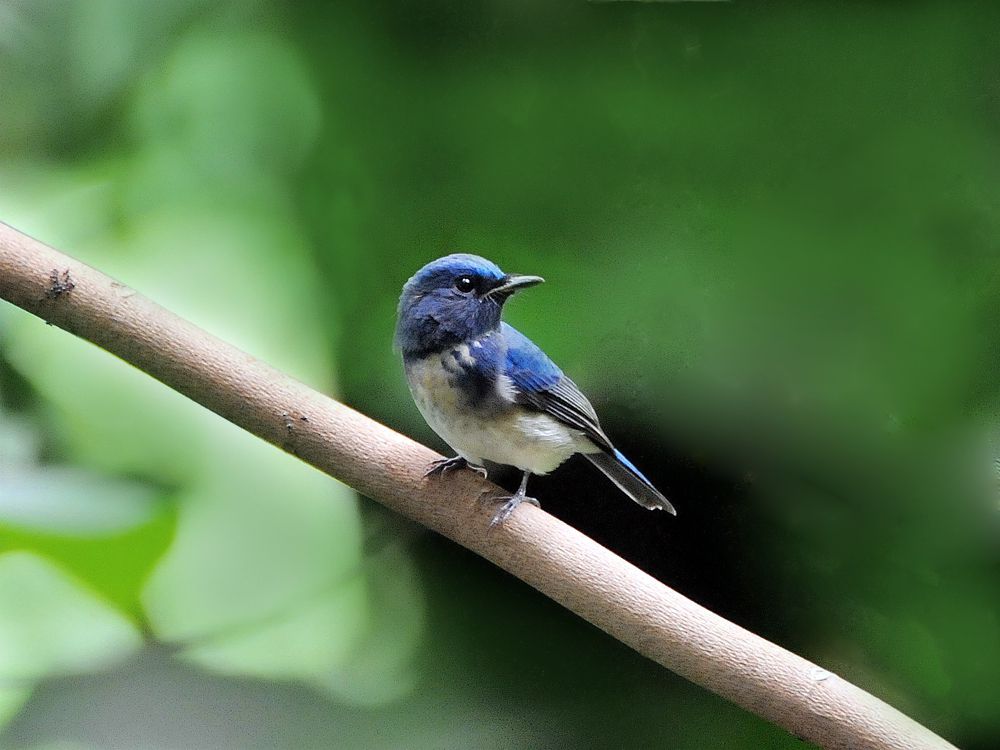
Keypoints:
(562, 563)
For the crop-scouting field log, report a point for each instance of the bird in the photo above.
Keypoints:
(489, 392)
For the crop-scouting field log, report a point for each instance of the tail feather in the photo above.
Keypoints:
(630, 480)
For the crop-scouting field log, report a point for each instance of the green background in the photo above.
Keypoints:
(770, 237)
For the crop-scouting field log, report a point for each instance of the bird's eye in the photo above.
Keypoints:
(465, 284)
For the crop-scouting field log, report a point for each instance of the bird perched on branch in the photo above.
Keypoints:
(488, 391)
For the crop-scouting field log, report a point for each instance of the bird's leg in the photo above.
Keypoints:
(510, 503)
(443, 465)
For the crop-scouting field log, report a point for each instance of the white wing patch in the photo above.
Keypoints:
(505, 389)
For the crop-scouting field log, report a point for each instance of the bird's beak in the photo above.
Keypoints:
(511, 283)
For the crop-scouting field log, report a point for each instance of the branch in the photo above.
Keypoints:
(562, 563)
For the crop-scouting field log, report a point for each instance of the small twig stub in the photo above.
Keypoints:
(59, 284)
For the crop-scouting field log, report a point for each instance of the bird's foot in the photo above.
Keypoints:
(508, 505)
(444, 465)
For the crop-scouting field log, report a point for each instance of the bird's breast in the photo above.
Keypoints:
(453, 381)
(477, 416)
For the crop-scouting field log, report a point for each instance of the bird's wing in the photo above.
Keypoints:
(541, 385)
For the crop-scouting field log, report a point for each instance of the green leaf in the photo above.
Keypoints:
(258, 534)
(381, 667)
(73, 501)
(51, 625)
(302, 643)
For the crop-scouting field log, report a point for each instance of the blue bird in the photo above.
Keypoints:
(490, 392)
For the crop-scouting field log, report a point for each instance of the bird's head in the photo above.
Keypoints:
(453, 299)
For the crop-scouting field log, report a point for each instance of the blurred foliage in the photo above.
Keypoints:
(770, 237)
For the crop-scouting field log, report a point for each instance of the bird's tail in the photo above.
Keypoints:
(630, 480)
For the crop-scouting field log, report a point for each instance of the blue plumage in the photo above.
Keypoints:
(528, 366)
(488, 390)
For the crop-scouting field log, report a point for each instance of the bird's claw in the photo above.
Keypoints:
(443, 465)
(508, 506)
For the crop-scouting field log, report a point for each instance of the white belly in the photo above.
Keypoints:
(498, 431)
